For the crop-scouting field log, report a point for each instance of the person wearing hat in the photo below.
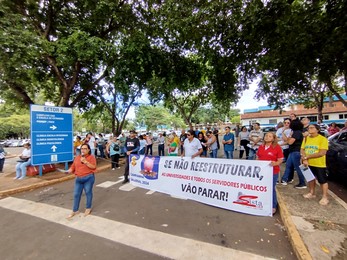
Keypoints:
(132, 145)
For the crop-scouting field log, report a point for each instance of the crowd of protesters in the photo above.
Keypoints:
(295, 142)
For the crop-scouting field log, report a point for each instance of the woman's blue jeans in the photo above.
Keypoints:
(21, 169)
(229, 154)
(214, 153)
(274, 194)
(83, 183)
(101, 149)
(293, 162)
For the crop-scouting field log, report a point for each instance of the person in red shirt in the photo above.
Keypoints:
(271, 151)
(84, 167)
(333, 129)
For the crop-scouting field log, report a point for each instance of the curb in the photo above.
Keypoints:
(45, 183)
(295, 239)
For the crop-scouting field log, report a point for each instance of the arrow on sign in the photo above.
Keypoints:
(53, 127)
(53, 148)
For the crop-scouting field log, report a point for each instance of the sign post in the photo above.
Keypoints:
(51, 135)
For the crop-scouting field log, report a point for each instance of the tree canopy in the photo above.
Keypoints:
(67, 51)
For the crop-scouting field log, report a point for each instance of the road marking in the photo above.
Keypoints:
(155, 242)
(150, 192)
(106, 184)
(127, 187)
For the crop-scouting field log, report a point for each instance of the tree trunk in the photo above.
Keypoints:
(331, 88)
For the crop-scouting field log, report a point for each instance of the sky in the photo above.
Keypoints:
(246, 101)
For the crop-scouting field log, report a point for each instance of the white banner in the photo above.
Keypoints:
(240, 185)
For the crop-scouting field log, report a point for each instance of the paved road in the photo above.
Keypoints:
(132, 223)
(339, 189)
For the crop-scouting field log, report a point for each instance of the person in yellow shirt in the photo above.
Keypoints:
(313, 151)
(176, 138)
(77, 146)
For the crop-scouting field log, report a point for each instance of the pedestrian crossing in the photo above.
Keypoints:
(155, 242)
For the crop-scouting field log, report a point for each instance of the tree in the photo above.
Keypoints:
(118, 105)
(300, 42)
(17, 126)
(61, 48)
(154, 116)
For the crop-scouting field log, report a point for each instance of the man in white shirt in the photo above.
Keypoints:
(161, 145)
(256, 139)
(192, 146)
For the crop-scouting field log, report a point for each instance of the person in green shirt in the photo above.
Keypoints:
(172, 146)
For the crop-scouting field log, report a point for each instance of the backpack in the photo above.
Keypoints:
(116, 147)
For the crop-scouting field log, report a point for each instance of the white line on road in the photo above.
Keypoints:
(155, 242)
(106, 184)
(127, 187)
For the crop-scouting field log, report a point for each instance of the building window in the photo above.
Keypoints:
(326, 117)
(273, 121)
(342, 116)
(312, 118)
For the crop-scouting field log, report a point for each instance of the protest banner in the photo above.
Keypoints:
(240, 185)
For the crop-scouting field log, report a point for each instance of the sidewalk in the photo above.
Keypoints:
(315, 231)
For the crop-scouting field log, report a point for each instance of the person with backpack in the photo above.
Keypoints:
(114, 150)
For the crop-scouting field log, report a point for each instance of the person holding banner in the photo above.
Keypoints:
(192, 146)
(271, 151)
(313, 151)
(132, 145)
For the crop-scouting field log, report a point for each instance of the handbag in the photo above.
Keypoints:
(23, 159)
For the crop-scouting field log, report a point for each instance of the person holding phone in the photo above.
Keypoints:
(313, 151)
(84, 167)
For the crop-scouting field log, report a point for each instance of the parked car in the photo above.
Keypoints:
(16, 143)
(336, 156)
(268, 129)
(7, 143)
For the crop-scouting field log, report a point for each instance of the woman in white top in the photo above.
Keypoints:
(212, 144)
(23, 162)
(243, 142)
(192, 146)
(283, 134)
(143, 144)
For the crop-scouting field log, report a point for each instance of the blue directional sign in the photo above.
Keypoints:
(51, 134)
